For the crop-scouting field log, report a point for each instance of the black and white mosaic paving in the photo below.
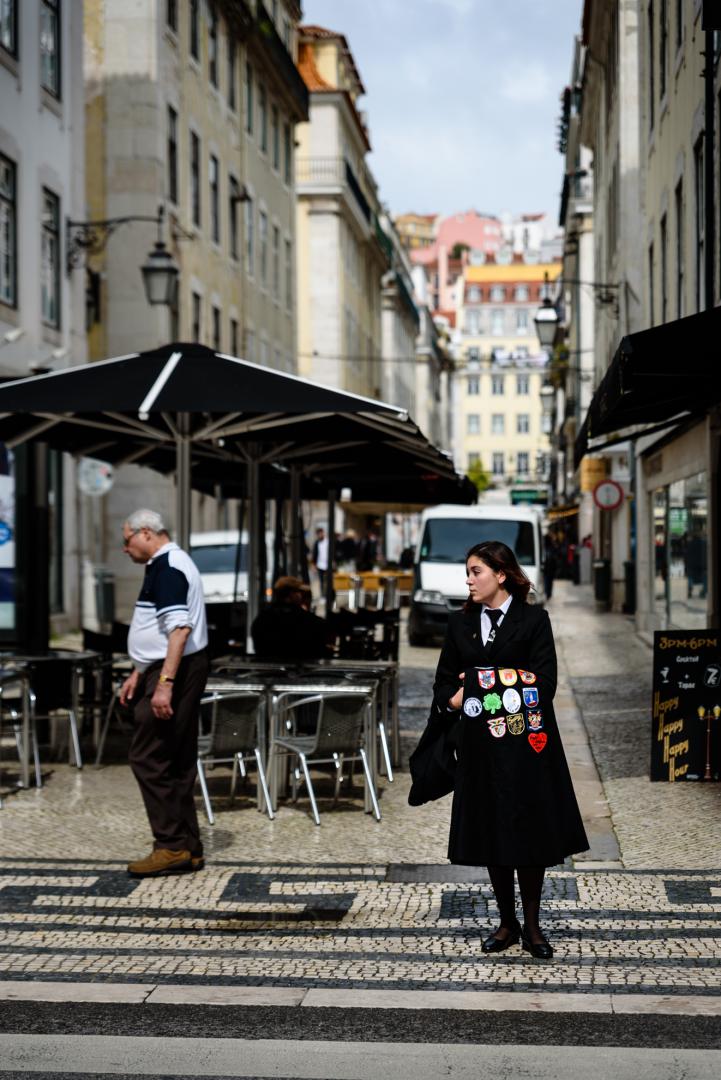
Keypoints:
(359, 926)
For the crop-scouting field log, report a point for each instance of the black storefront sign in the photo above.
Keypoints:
(686, 710)
(711, 15)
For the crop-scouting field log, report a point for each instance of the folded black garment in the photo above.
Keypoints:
(433, 762)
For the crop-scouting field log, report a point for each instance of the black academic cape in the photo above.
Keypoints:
(513, 803)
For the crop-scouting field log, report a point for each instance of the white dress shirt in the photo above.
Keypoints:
(486, 623)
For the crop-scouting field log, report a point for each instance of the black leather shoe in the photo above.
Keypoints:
(493, 944)
(542, 950)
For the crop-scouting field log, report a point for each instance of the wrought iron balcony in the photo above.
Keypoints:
(280, 62)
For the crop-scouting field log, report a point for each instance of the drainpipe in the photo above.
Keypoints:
(709, 159)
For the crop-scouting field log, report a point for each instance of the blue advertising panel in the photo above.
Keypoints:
(8, 569)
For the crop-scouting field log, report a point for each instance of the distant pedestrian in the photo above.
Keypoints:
(368, 551)
(320, 556)
(167, 644)
(514, 808)
(347, 549)
(550, 564)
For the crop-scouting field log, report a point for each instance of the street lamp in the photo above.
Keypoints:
(548, 395)
(160, 271)
(546, 321)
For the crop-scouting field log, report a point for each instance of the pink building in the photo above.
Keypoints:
(478, 233)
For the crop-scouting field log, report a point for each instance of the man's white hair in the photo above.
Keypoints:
(146, 519)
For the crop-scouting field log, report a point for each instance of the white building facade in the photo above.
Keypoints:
(42, 307)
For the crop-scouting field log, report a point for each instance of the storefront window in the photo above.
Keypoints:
(680, 515)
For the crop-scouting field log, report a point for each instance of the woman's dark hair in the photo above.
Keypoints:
(500, 557)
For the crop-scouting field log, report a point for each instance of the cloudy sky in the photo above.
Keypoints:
(462, 97)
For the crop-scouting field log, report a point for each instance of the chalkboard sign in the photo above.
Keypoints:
(686, 724)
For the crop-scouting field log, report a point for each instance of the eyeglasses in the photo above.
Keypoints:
(127, 539)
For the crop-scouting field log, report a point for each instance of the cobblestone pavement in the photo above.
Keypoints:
(353, 925)
(360, 904)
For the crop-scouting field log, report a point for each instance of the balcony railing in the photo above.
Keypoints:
(320, 170)
(333, 171)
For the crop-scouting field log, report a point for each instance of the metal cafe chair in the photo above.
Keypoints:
(16, 698)
(57, 684)
(338, 737)
(237, 726)
(112, 676)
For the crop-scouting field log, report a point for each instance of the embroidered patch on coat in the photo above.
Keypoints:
(516, 724)
(511, 701)
(472, 707)
(535, 720)
(538, 740)
(530, 697)
(527, 677)
(486, 678)
(492, 702)
(507, 676)
(497, 726)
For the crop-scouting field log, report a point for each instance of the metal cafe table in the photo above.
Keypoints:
(52, 679)
(386, 672)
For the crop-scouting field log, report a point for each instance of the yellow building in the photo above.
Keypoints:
(500, 370)
(416, 230)
(342, 250)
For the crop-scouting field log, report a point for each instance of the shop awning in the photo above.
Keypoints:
(557, 513)
(657, 377)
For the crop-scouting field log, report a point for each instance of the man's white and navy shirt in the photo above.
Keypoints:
(171, 597)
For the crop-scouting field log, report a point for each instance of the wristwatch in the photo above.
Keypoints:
(166, 678)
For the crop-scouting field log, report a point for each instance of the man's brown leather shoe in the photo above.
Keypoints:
(161, 861)
(197, 862)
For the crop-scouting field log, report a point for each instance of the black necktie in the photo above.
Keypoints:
(494, 615)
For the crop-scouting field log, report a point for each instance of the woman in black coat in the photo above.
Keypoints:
(513, 805)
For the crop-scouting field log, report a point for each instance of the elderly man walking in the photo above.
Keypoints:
(167, 643)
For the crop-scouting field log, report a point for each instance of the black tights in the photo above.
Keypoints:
(530, 883)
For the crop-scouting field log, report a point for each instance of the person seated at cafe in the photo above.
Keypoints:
(286, 629)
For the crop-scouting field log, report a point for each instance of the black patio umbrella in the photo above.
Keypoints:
(185, 405)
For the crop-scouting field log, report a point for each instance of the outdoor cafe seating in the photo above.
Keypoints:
(48, 698)
(343, 721)
(258, 717)
(233, 729)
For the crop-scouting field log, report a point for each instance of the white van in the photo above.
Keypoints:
(446, 533)
(215, 554)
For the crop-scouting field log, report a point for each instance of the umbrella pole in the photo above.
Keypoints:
(295, 534)
(329, 590)
(255, 530)
(182, 481)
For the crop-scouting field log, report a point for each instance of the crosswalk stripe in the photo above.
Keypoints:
(314, 1060)
(340, 998)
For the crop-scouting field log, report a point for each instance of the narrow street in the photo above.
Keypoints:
(368, 945)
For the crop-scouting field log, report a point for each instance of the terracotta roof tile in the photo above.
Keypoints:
(308, 70)
(320, 33)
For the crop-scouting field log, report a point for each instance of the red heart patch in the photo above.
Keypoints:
(538, 740)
